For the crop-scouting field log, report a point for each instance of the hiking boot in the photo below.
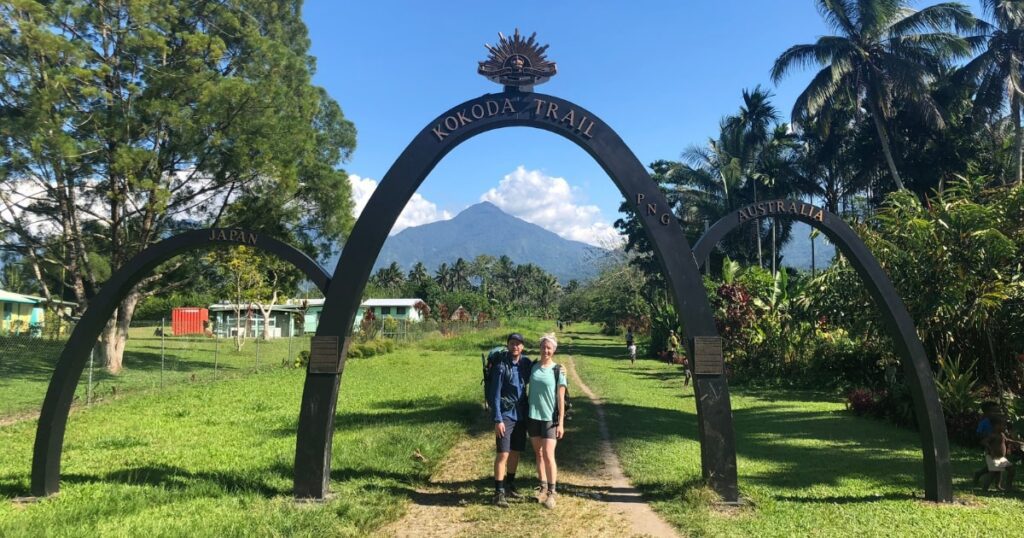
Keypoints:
(540, 493)
(512, 492)
(499, 500)
(549, 500)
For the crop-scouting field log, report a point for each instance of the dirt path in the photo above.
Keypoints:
(623, 497)
(456, 501)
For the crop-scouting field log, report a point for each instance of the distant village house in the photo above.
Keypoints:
(26, 314)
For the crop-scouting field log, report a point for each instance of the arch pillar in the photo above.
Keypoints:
(53, 418)
(938, 482)
(492, 111)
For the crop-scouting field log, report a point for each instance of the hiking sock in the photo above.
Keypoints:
(499, 486)
(510, 481)
(551, 487)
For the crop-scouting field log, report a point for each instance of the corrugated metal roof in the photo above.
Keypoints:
(220, 307)
(391, 302)
(11, 297)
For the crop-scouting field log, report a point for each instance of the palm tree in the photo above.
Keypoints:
(752, 148)
(444, 277)
(418, 273)
(460, 274)
(827, 165)
(389, 278)
(883, 51)
(997, 70)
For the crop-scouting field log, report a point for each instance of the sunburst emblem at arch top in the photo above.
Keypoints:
(517, 62)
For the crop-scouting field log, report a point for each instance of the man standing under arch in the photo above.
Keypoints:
(508, 379)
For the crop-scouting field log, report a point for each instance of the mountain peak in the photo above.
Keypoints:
(482, 208)
(483, 228)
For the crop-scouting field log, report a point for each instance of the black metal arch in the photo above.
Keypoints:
(493, 111)
(53, 418)
(938, 484)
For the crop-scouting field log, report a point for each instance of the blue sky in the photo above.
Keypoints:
(661, 74)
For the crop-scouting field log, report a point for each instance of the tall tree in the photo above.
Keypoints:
(997, 70)
(460, 274)
(882, 51)
(243, 281)
(390, 278)
(752, 158)
(138, 118)
(443, 277)
(418, 273)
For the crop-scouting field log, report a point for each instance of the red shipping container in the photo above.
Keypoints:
(189, 320)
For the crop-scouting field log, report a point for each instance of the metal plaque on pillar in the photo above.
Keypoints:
(324, 355)
(707, 355)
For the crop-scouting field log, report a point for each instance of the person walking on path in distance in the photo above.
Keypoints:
(630, 346)
(547, 417)
(509, 378)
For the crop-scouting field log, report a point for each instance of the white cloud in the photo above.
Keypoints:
(418, 211)
(550, 202)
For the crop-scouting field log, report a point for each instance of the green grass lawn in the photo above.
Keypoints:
(807, 466)
(26, 365)
(216, 459)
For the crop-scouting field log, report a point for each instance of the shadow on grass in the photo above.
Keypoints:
(419, 413)
(176, 478)
(846, 499)
(12, 487)
(590, 350)
(804, 449)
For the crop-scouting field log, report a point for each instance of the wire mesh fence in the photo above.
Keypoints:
(154, 358)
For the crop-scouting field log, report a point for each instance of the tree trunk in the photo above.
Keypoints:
(266, 315)
(239, 329)
(883, 137)
(814, 266)
(995, 367)
(115, 335)
(1017, 139)
(757, 224)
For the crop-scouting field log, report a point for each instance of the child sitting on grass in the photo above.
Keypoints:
(984, 429)
(995, 457)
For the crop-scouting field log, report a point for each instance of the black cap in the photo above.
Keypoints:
(516, 336)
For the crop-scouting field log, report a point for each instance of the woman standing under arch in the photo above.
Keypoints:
(547, 417)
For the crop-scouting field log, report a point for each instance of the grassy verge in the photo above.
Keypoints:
(27, 364)
(807, 466)
(152, 362)
(216, 459)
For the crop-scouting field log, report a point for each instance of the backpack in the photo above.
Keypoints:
(495, 358)
(568, 402)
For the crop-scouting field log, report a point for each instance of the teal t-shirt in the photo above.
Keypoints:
(542, 396)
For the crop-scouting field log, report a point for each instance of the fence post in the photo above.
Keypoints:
(216, 352)
(162, 352)
(289, 359)
(88, 390)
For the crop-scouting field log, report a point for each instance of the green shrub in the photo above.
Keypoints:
(301, 359)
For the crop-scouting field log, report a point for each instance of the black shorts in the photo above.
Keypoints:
(543, 428)
(514, 438)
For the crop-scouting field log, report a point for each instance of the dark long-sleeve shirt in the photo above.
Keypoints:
(509, 381)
